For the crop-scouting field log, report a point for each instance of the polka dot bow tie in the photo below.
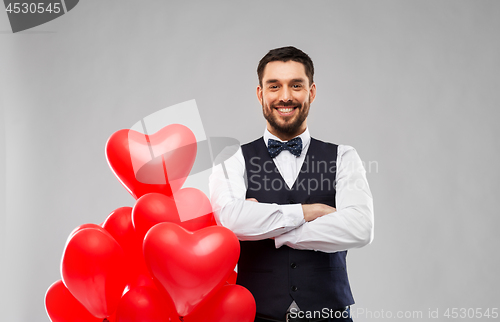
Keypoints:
(275, 147)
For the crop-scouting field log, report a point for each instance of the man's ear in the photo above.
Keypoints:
(259, 94)
(312, 93)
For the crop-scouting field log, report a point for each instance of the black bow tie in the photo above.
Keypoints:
(275, 147)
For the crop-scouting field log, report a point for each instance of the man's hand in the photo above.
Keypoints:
(311, 211)
(316, 210)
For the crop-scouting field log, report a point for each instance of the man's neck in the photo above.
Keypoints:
(286, 136)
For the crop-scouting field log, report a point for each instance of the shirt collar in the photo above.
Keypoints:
(305, 136)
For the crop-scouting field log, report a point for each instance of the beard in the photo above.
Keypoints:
(289, 126)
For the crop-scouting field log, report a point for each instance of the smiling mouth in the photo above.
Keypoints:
(285, 110)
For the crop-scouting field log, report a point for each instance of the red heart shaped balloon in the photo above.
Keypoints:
(119, 225)
(194, 208)
(230, 304)
(62, 306)
(189, 208)
(77, 229)
(145, 304)
(92, 269)
(159, 162)
(190, 265)
(152, 209)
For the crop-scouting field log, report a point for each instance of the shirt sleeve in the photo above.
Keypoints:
(351, 226)
(249, 220)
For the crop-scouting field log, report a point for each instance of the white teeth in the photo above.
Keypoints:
(285, 110)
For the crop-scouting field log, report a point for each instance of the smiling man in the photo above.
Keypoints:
(287, 97)
(296, 203)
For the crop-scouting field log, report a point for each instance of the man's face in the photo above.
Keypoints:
(285, 97)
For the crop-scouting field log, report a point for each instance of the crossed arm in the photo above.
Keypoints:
(311, 211)
(316, 226)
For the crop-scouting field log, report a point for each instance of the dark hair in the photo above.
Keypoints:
(285, 54)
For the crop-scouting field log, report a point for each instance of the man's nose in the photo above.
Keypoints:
(285, 94)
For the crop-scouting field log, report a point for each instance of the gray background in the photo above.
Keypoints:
(413, 85)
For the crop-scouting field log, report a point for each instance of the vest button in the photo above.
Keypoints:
(293, 265)
(294, 288)
(291, 201)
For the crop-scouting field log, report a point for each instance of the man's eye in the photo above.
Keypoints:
(273, 86)
(296, 85)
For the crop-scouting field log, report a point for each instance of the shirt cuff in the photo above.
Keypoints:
(286, 238)
(293, 214)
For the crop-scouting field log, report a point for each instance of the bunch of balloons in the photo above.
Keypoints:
(163, 259)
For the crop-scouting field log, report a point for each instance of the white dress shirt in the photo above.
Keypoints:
(350, 226)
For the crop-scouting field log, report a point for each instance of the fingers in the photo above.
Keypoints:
(251, 199)
(325, 209)
(329, 209)
(316, 210)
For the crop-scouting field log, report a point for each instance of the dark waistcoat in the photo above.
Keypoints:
(314, 279)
